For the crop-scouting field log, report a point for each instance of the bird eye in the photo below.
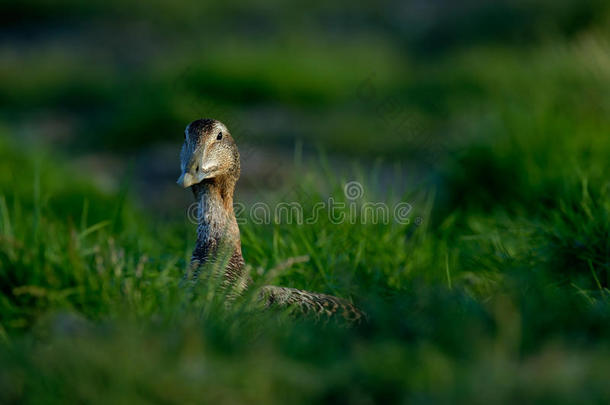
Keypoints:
(219, 137)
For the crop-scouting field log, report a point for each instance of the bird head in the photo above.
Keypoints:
(209, 152)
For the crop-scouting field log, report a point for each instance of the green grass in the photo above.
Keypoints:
(478, 302)
(309, 82)
(500, 294)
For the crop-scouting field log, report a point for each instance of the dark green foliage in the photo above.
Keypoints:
(496, 291)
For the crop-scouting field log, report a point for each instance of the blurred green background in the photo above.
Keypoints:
(491, 118)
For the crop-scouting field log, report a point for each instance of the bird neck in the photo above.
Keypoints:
(217, 229)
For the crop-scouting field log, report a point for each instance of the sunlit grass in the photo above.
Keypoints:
(458, 303)
(497, 289)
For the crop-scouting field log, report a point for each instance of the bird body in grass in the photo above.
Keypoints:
(211, 167)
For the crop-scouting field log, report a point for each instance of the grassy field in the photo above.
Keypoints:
(496, 291)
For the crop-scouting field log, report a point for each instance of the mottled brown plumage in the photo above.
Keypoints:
(210, 166)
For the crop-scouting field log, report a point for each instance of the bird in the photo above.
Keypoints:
(210, 167)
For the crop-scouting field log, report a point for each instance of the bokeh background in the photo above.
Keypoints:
(492, 118)
(109, 83)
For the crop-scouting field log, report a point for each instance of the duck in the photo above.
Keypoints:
(210, 167)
